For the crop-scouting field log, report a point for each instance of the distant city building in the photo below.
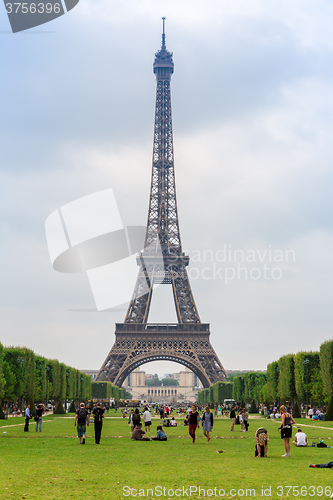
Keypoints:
(92, 373)
(187, 390)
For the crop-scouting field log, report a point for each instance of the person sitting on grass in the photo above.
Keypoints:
(160, 436)
(300, 438)
(261, 437)
(138, 433)
(173, 422)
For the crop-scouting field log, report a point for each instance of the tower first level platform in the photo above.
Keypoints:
(187, 344)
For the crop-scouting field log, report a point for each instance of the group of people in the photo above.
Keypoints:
(207, 420)
(82, 420)
(40, 409)
(315, 414)
(135, 424)
(261, 436)
(193, 419)
(242, 418)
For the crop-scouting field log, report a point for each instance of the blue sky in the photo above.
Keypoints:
(252, 113)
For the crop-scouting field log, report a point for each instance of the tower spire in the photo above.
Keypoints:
(163, 47)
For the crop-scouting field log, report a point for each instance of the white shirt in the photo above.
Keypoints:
(146, 416)
(300, 438)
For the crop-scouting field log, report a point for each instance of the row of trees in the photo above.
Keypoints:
(216, 393)
(305, 377)
(166, 382)
(106, 390)
(24, 376)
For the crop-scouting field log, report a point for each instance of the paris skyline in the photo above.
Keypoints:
(252, 111)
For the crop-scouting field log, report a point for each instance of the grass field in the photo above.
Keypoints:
(52, 465)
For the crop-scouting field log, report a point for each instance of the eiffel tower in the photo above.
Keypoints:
(162, 262)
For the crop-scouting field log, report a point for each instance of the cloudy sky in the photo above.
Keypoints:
(252, 101)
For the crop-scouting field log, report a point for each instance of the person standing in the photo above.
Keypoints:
(98, 413)
(233, 419)
(246, 419)
(39, 415)
(136, 419)
(81, 421)
(207, 423)
(193, 420)
(241, 420)
(286, 429)
(130, 420)
(27, 416)
(147, 419)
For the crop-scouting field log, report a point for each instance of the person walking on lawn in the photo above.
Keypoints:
(81, 421)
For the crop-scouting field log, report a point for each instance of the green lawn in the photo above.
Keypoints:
(53, 465)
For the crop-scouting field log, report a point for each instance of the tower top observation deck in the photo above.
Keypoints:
(163, 63)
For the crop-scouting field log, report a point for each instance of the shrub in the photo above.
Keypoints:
(253, 408)
(72, 408)
(296, 411)
(59, 409)
(329, 413)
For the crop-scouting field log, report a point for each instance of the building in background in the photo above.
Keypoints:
(187, 388)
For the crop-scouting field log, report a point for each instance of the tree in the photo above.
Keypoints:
(238, 389)
(21, 362)
(253, 382)
(11, 382)
(326, 368)
(2, 378)
(286, 386)
(221, 391)
(153, 382)
(308, 380)
(329, 413)
(272, 381)
(169, 382)
(40, 378)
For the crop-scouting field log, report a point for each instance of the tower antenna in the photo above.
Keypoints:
(163, 34)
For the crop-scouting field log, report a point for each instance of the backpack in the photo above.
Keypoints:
(136, 418)
(82, 415)
(98, 415)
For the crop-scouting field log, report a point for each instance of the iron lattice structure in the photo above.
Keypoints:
(162, 261)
